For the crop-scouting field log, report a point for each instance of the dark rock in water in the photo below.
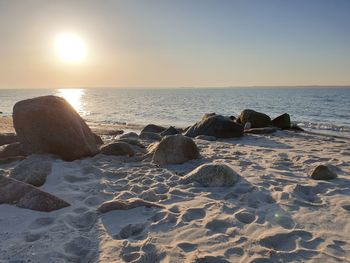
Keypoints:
(175, 149)
(282, 121)
(12, 150)
(265, 130)
(8, 138)
(153, 128)
(257, 119)
(295, 127)
(129, 135)
(98, 139)
(150, 136)
(322, 172)
(118, 149)
(49, 124)
(33, 170)
(217, 126)
(212, 175)
(125, 205)
(27, 196)
(170, 131)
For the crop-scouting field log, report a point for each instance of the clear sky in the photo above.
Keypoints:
(149, 43)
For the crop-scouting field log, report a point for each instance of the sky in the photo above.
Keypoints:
(176, 43)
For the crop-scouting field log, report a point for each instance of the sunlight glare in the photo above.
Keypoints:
(70, 47)
(74, 98)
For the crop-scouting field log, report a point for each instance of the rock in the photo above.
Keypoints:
(33, 170)
(27, 196)
(217, 126)
(265, 130)
(131, 141)
(206, 138)
(212, 175)
(322, 172)
(7, 160)
(8, 138)
(49, 124)
(257, 119)
(232, 118)
(150, 136)
(175, 149)
(129, 135)
(282, 121)
(98, 139)
(295, 127)
(125, 205)
(113, 132)
(12, 150)
(153, 128)
(118, 148)
(170, 131)
(247, 125)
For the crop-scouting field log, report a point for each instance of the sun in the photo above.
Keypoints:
(70, 47)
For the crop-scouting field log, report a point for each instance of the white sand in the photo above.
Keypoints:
(275, 213)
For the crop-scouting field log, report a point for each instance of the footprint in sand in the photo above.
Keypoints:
(83, 221)
(245, 217)
(80, 247)
(219, 225)
(41, 222)
(234, 251)
(288, 241)
(130, 230)
(193, 214)
(31, 237)
(187, 247)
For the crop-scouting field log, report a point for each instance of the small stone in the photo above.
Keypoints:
(322, 172)
(117, 149)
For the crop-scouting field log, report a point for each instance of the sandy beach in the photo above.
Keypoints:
(274, 213)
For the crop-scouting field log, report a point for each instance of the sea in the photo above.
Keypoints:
(323, 110)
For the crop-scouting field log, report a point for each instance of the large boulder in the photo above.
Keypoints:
(212, 175)
(153, 128)
(282, 121)
(175, 149)
(33, 170)
(257, 119)
(8, 138)
(49, 124)
(322, 172)
(217, 126)
(118, 149)
(27, 196)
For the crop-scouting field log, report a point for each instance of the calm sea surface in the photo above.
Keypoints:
(324, 110)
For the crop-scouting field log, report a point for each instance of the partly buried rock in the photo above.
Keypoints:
(153, 128)
(150, 136)
(265, 130)
(217, 126)
(118, 148)
(175, 149)
(8, 138)
(33, 170)
(98, 139)
(125, 205)
(49, 124)
(282, 121)
(27, 196)
(132, 141)
(170, 131)
(257, 119)
(12, 150)
(206, 138)
(128, 135)
(212, 175)
(322, 172)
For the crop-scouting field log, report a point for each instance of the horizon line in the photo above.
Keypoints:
(180, 87)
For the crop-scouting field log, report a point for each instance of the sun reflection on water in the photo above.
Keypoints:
(74, 98)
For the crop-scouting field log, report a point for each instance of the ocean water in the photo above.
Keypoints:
(325, 110)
